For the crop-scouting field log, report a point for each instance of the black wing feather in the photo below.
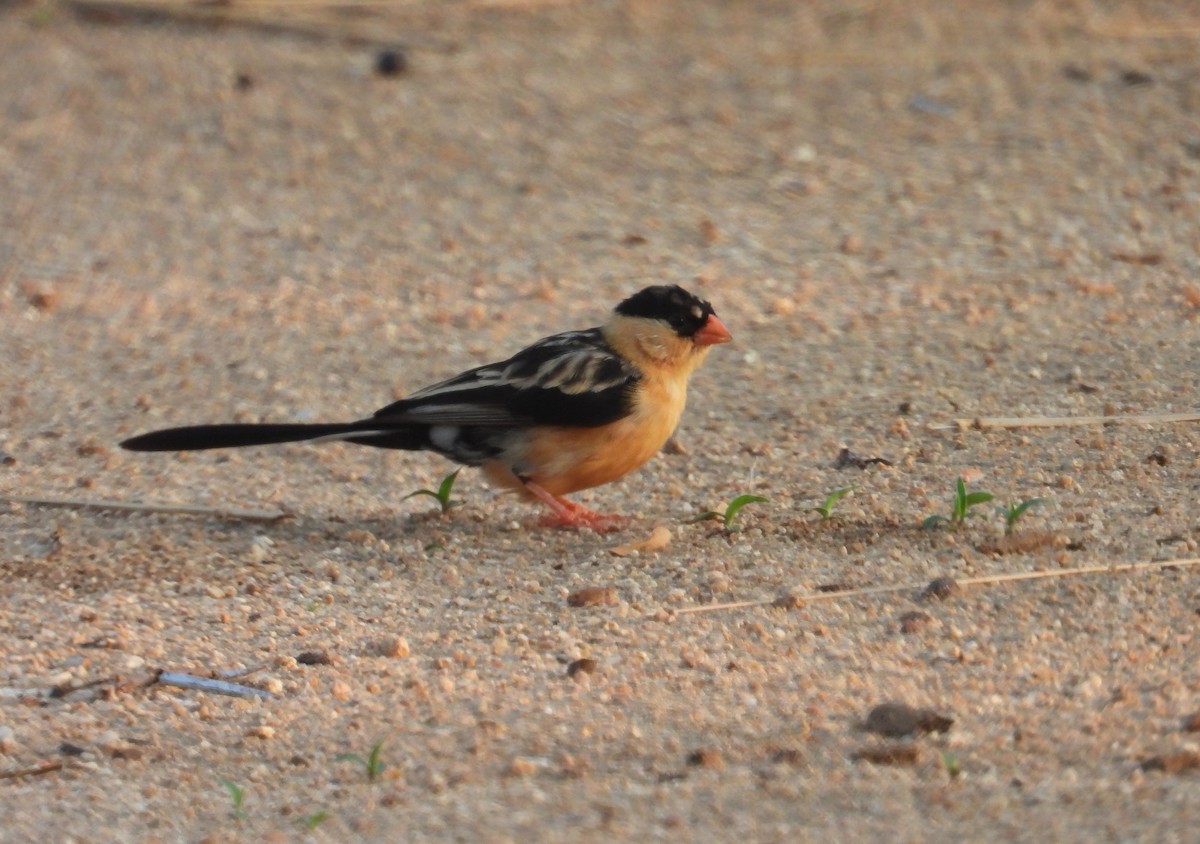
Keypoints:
(573, 379)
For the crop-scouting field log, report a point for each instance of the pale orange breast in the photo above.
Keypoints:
(564, 460)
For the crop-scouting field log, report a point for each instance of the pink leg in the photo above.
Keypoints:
(569, 514)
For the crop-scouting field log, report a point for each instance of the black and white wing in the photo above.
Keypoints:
(573, 379)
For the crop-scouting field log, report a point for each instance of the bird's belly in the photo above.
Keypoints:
(563, 460)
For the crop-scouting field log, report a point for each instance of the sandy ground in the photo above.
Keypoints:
(906, 213)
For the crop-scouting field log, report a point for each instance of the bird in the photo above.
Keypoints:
(570, 412)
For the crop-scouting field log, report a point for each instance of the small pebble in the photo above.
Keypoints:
(593, 596)
(1191, 723)
(788, 756)
(788, 602)
(391, 62)
(314, 658)
(581, 666)
(523, 766)
(1178, 762)
(396, 647)
(707, 757)
(899, 719)
(892, 754)
(914, 622)
(1135, 78)
(940, 588)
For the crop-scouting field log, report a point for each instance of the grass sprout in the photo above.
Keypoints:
(237, 794)
(729, 517)
(372, 764)
(442, 494)
(1014, 512)
(960, 509)
(826, 508)
(315, 819)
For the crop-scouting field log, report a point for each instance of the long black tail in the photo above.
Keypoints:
(200, 437)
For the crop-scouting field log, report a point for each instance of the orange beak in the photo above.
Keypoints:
(713, 332)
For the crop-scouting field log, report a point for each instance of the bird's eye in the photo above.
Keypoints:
(677, 320)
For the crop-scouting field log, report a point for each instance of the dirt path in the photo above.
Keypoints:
(905, 218)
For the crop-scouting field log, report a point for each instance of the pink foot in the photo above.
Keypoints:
(568, 514)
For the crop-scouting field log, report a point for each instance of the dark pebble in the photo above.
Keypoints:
(1173, 763)
(390, 62)
(707, 757)
(893, 754)
(314, 658)
(940, 588)
(914, 622)
(895, 720)
(581, 666)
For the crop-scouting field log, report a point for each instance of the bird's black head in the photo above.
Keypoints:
(670, 303)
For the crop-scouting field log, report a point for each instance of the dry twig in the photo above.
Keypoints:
(985, 422)
(983, 580)
(139, 507)
(36, 770)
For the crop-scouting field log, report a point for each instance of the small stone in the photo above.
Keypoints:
(263, 731)
(8, 739)
(42, 300)
(940, 588)
(891, 754)
(108, 740)
(581, 666)
(707, 757)
(675, 447)
(899, 719)
(391, 62)
(788, 756)
(523, 766)
(1179, 762)
(341, 690)
(1191, 723)
(395, 647)
(914, 622)
(314, 658)
(593, 596)
(68, 749)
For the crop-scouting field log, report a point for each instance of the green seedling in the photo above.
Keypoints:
(372, 764)
(963, 502)
(315, 819)
(237, 794)
(952, 764)
(731, 510)
(1014, 512)
(442, 494)
(831, 501)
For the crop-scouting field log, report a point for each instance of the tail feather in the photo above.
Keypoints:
(200, 437)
